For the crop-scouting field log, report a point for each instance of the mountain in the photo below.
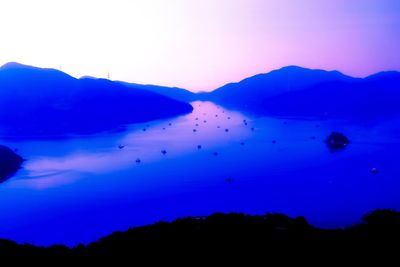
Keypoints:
(10, 162)
(39, 102)
(172, 92)
(374, 97)
(250, 93)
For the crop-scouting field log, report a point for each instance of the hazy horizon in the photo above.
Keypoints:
(200, 91)
(200, 45)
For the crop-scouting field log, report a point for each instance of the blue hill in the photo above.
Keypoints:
(296, 91)
(39, 102)
(172, 92)
(250, 93)
(374, 97)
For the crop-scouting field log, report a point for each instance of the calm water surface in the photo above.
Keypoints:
(80, 189)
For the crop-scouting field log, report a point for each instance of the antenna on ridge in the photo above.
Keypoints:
(108, 75)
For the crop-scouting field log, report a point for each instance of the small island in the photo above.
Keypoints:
(10, 163)
(337, 141)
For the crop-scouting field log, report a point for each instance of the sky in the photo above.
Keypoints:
(200, 45)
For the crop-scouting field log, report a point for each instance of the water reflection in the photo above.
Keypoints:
(90, 186)
(120, 152)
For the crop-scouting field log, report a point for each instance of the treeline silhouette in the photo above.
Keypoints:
(231, 235)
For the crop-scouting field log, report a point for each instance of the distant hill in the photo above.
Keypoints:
(250, 93)
(172, 92)
(39, 102)
(296, 91)
(374, 97)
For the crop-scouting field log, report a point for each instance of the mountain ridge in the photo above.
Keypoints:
(47, 102)
(261, 93)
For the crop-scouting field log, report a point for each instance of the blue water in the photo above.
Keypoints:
(77, 190)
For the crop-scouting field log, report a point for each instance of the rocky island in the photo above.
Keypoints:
(10, 162)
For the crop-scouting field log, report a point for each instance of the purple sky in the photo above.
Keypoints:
(200, 44)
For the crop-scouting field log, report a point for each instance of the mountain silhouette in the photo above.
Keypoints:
(371, 98)
(296, 91)
(250, 93)
(38, 102)
(172, 92)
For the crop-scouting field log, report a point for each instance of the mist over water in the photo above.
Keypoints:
(80, 189)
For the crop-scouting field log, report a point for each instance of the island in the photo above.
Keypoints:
(10, 163)
(337, 141)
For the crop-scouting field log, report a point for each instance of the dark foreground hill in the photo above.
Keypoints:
(232, 236)
(45, 102)
(10, 163)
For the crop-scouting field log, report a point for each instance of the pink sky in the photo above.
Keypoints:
(200, 44)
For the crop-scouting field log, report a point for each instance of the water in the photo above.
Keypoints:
(80, 189)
